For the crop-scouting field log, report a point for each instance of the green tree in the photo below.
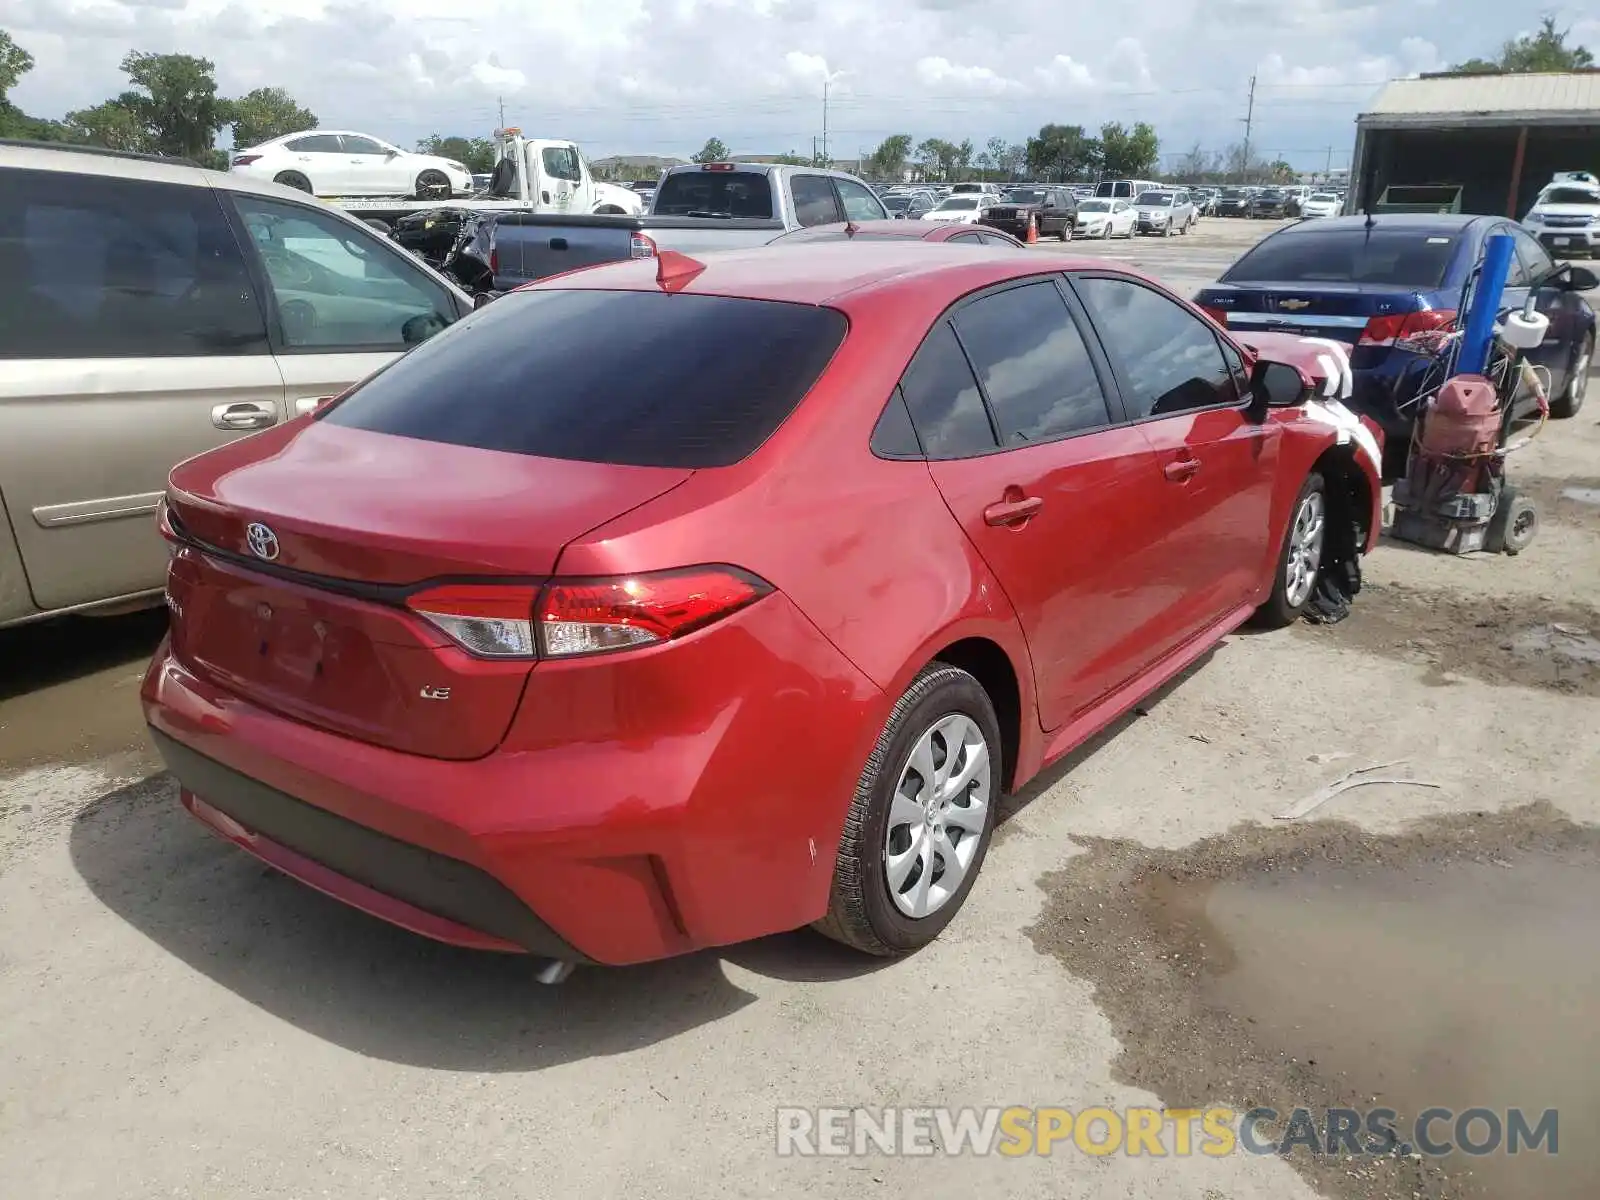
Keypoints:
(938, 158)
(15, 62)
(1128, 154)
(478, 155)
(267, 113)
(113, 125)
(963, 157)
(1546, 50)
(713, 151)
(791, 159)
(888, 161)
(1061, 152)
(178, 105)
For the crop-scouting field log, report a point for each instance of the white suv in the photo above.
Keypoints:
(150, 310)
(1566, 219)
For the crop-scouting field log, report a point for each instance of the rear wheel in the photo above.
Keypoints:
(293, 179)
(433, 185)
(1571, 399)
(1300, 560)
(1066, 232)
(1514, 525)
(921, 820)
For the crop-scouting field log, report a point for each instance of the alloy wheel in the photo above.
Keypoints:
(937, 816)
(1305, 550)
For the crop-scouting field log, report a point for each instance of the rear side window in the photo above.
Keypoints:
(643, 379)
(1033, 364)
(94, 267)
(859, 203)
(1171, 359)
(814, 201)
(944, 399)
(714, 194)
(1409, 258)
(315, 143)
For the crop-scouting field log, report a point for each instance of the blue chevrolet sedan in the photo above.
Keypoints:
(1374, 285)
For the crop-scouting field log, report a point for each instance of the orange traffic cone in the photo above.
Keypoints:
(1033, 229)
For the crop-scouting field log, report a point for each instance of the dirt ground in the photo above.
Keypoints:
(176, 1021)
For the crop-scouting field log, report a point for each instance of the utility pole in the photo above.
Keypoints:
(1327, 171)
(825, 82)
(502, 100)
(1249, 122)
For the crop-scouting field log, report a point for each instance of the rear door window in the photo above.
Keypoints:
(714, 194)
(1170, 358)
(634, 378)
(1408, 258)
(316, 143)
(1033, 364)
(96, 267)
(814, 200)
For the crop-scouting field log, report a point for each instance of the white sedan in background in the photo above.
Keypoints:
(1104, 218)
(333, 162)
(1321, 204)
(964, 209)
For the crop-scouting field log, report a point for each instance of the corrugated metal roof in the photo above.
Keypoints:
(1488, 99)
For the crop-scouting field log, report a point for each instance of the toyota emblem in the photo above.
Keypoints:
(263, 542)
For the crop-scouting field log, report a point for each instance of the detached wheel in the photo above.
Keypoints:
(293, 179)
(1301, 557)
(1514, 525)
(1571, 399)
(921, 820)
(433, 185)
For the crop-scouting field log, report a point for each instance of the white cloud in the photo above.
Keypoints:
(660, 76)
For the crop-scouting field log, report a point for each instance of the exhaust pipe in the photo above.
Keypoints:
(553, 971)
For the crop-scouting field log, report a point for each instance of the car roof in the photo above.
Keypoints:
(1440, 223)
(824, 273)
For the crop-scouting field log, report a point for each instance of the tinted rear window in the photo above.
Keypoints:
(1405, 258)
(714, 194)
(636, 378)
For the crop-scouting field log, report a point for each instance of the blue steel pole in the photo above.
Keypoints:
(1485, 306)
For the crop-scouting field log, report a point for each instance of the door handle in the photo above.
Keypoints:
(1012, 512)
(308, 404)
(245, 415)
(1184, 468)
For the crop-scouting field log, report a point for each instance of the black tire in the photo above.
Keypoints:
(1571, 399)
(1066, 233)
(1106, 236)
(861, 912)
(293, 179)
(1514, 525)
(432, 185)
(1277, 611)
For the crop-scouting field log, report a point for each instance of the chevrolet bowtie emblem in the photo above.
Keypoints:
(1294, 305)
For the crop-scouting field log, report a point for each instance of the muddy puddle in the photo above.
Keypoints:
(1574, 502)
(1455, 966)
(1530, 641)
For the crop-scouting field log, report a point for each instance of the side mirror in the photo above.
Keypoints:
(1580, 279)
(1275, 385)
(483, 298)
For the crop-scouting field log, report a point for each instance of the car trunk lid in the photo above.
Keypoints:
(293, 568)
(1338, 311)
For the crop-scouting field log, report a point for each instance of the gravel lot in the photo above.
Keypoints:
(176, 1020)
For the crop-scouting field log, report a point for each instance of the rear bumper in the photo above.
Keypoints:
(634, 811)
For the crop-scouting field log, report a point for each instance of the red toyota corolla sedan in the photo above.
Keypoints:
(670, 604)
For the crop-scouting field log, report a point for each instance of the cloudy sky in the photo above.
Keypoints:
(660, 76)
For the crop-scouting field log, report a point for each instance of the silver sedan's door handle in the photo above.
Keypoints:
(243, 415)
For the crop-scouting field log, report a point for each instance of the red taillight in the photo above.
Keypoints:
(591, 616)
(641, 245)
(244, 160)
(1396, 329)
(1219, 315)
(488, 620)
(494, 260)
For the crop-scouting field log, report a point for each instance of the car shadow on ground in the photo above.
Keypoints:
(350, 979)
(50, 652)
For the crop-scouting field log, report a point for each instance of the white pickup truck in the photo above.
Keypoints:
(532, 175)
(697, 208)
